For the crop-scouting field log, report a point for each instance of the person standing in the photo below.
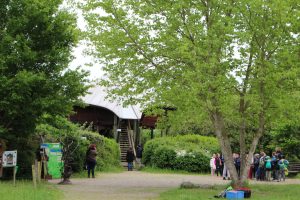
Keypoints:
(91, 155)
(256, 165)
(212, 164)
(139, 155)
(283, 165)
(261, 167)
(130, 159)
(237, 163)
(268, 168)
(218, 164)
(226, 174)
(274, 166)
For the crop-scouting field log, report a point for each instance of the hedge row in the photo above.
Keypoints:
(188, 152)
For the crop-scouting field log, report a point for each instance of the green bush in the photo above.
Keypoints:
(64, 130)
(164, 157)
(189, 152)
(108, 150)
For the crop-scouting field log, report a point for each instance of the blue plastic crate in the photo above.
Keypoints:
(231, 195)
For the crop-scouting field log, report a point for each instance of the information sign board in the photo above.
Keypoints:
(9, 159)
(54, 153)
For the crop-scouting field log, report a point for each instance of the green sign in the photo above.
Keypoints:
(54, 153)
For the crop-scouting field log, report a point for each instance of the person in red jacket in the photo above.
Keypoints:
(91, 155)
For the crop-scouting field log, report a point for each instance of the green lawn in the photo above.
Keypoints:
(259, 192)
(24, 190)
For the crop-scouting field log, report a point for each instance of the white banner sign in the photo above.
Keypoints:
(9, 159)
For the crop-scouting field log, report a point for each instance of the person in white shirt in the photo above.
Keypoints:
(213, 165)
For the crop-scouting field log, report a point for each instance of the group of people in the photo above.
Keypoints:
(91, 161)
(263, 167)
(267, 168)
(218, 167)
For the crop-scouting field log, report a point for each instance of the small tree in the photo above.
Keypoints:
(68, 135)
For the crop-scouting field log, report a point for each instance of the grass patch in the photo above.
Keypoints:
(297, 176)
(115, 169)
(259, 192)
(167, 171)
(24, 190)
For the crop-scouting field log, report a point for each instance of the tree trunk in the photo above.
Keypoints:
(224, 142)
(244, 161)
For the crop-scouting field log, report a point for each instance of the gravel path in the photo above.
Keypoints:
(136, 185)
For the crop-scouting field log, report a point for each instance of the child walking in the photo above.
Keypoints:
(283, 164)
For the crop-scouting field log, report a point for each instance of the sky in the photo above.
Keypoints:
(82, 60)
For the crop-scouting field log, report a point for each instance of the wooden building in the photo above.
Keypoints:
(110, 119)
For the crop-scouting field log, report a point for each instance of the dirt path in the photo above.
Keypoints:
(136, 185)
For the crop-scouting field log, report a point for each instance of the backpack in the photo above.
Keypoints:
(262, 162)
(268, 164)
(281, 165)
(286, 163)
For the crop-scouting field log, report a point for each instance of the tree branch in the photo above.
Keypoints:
(138, 47)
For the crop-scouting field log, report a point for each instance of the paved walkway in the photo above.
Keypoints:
(136, 185)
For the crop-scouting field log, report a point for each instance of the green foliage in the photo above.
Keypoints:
(146, 135)
(63, 130)
(189, 152)
(36, 40)
(287, 138)
(163, 157)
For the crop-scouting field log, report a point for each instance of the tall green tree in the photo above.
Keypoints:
(234, 63)
(36, 40)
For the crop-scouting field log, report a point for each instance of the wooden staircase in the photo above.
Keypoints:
(124, 144)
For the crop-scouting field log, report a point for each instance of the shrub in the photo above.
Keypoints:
(108, 150)
(64, 130)
(164, 157)
(189, 152)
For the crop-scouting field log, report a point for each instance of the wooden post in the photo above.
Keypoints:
(15, 171)
(45, 168)
(36, 171)
(39, 172)
(33, 176)
(2, 149)
(152, 133)
(115, 127)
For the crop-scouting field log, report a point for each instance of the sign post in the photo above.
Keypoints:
(9, 159)
(1, 152)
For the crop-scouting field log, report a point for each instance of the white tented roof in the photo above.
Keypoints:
(96, 96)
